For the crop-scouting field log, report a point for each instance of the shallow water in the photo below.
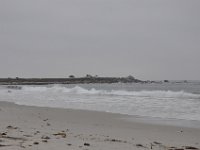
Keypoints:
(166, 100)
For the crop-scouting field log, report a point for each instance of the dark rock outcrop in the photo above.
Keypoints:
(70, 80)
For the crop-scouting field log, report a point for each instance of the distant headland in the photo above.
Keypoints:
(69, 80)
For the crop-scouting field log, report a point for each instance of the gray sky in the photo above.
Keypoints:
(150, 39)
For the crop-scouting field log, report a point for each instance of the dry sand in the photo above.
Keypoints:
(34, 128)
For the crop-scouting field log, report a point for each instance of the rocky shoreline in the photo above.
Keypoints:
(70, 80)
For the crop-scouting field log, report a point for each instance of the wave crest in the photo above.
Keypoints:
(79, 90)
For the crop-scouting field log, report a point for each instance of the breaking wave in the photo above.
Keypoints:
(79, 91)
(125, 99)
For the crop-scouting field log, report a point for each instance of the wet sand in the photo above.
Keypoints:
(39, 128)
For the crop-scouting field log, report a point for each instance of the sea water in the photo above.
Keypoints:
(176, 100)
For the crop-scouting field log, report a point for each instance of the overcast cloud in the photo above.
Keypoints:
(150, 39)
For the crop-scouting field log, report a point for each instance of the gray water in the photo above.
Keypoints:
(163, 100)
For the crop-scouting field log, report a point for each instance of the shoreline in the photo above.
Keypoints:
(128, 117)
(83, 129)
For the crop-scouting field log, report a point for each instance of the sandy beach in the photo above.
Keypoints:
(37, 128)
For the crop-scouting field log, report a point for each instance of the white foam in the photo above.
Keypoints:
(79, 90)
(156, 103)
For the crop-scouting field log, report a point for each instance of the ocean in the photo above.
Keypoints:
(173, 100)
